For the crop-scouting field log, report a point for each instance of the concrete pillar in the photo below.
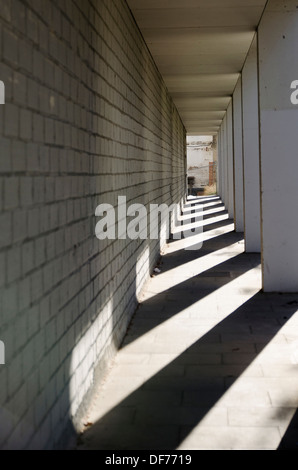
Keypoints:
(238, 158)
(278, 52)
(230, 157)
(222, 173)
(218, 178)
(251, 168)
(225, 164)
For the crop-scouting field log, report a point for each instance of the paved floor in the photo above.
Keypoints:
(209, 362)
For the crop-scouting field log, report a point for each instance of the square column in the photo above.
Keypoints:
(278, 69)
(238, 158)
(251, 164)
(225, 194)
(230, 156)
(222, 173)
(219, 164)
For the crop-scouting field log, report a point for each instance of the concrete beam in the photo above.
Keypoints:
(199, 53)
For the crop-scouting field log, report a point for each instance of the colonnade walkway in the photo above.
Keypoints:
(209, 362)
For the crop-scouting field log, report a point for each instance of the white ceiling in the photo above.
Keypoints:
(199, 47)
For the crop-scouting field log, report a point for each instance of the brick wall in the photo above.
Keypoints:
(87, 118)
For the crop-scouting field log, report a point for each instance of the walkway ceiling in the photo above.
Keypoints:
(199, 47)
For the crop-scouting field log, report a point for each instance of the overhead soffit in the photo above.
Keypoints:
(199, 47)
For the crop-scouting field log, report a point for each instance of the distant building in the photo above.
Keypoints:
(200, 159)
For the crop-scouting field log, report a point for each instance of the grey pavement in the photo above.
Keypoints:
(210, 362)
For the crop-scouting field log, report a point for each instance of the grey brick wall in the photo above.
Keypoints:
(86, 118)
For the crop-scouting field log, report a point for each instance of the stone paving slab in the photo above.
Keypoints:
(230, 438)
(114, 437)
(209, 361)
(182, 416)
(260, 416)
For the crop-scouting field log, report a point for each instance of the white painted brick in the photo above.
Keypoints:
(10, 46)
(26, 191)
(38, 190)
(32, 26)
(24, 293)
(19, 89)
(38, 128)
(44, 159)
(28, 362)
(36, 285)
(6, 229)
(33, 222)
(18, 151)
(5, 155)
(11, 120)
(32, 324)
(19, 15)
(33, 164)
(40, 251)
(32, 94)
(14, 375)
(25, 56)
(13, 264)
(63, 173)
(2, 268)
(27, 257)
(43, 379)
(11, 193)
(40, 408)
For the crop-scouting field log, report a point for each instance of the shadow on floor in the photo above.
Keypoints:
(290, 438)
(172, 301)
(164, 409)
(162, 412)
